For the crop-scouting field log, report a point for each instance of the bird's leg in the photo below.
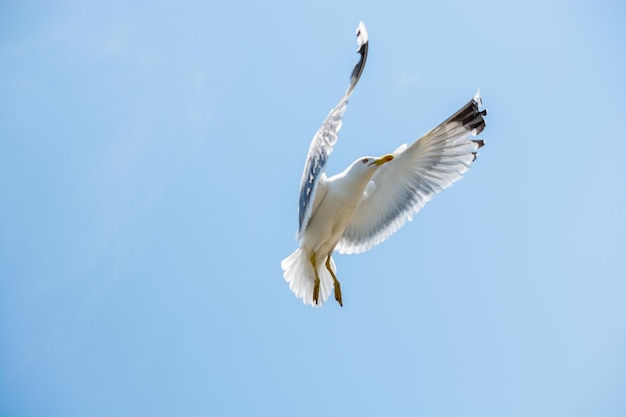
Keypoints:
(316, 286)
(337, 285)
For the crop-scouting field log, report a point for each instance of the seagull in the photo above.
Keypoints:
(359, 208)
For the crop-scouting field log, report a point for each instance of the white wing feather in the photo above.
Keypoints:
(400, 188)
(324, 141)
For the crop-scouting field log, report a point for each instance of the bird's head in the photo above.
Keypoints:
(358, 174)
(369, 164)
(379, 161)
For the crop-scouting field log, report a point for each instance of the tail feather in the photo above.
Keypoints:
(298, 272)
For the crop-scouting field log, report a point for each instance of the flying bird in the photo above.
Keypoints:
(371, 199)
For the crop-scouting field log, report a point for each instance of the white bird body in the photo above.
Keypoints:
(336, 200)
(361, 207)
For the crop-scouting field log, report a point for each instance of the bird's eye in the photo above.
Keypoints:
(365, 160)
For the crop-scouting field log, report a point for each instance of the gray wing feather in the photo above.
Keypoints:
(400, 188)
(324, 140)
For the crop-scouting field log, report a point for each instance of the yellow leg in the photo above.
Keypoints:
(337, 285)
(316, 286)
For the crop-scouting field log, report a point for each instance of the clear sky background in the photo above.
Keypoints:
(150, 159)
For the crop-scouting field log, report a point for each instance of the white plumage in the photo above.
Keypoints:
(355, 210)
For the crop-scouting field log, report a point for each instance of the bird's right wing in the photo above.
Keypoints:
(324, 140)
(401, 187)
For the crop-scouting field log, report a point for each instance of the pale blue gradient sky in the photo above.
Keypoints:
(150, 158)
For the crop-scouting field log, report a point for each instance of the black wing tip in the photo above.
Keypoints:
(471, 116)
(358, 68)
(362, 41)
(362, 38)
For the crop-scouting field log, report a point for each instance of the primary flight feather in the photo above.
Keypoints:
(355, 210)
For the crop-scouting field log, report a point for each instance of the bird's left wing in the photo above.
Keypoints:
(325, 138)
(400, 188)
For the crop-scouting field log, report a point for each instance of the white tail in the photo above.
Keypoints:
(298, 272)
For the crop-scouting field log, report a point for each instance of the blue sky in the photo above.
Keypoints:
(150, 160)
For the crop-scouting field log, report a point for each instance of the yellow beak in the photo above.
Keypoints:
(383, 159)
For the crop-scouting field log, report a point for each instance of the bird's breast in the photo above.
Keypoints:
(331, 218)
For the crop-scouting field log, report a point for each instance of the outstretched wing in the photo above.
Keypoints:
(400, 188)
(325, 138)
